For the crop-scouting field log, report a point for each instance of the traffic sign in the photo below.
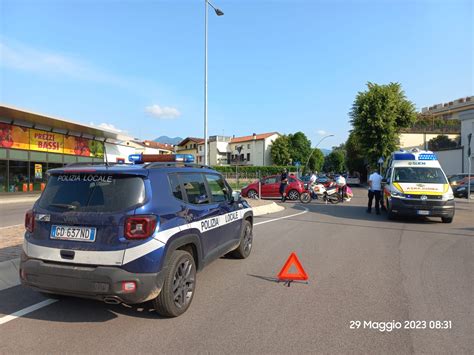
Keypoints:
(285, 274)
(381, 160)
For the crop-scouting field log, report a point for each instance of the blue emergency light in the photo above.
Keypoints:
(403, 156)
(427, 156)
(163, 158)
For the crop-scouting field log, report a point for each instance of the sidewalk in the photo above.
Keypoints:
(17, 197)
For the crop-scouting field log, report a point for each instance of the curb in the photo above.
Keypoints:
(9, 273)
(266, 209)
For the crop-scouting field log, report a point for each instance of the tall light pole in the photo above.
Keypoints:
(313, 149)
(218, 13)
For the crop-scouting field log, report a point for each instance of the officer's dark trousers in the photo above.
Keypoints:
(378, 200)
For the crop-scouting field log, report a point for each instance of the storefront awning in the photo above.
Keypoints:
(24, 118)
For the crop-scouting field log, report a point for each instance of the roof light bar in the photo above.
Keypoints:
(149, 158)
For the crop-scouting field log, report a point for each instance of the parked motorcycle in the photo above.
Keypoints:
(330, 194)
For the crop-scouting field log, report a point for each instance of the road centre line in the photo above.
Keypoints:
(24, 311)
(280, 218)
(35, 307)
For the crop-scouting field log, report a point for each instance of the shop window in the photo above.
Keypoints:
(3, 176)
(18, 176)
(37, 176)
(3, 153)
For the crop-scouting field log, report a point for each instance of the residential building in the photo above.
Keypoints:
(454, 119)
(189, 146)
(254, 150)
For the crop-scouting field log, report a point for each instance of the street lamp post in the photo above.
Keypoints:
(218, 13)
(312, 150)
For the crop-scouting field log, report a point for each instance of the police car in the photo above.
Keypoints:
(132, 233)
(416, 185)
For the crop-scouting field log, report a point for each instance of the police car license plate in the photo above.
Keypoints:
(82, 234)
(423, 213)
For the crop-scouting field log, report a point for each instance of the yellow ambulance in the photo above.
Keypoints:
(416, 185)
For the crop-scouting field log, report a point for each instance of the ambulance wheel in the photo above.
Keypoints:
(246, 242)
(447, 219)
(178, 286)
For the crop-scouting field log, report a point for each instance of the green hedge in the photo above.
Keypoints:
(264, 170)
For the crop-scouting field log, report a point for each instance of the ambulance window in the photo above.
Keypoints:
(195, 188)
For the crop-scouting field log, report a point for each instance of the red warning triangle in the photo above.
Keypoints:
(286, 275)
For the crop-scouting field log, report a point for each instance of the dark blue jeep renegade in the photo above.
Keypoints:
(132, 233)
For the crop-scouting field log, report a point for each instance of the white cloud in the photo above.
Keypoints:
(322, 132)
(18, 56)
(162, 112)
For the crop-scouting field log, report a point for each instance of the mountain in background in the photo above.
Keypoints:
(325, 151)
(168, 140)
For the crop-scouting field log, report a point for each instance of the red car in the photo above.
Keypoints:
(271, 188)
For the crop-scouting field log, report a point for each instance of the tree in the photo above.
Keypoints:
(280, 151)
(377, 116)
(316, 161)
(300, 147)
(441, 142)
(335, 161)
(355, 160)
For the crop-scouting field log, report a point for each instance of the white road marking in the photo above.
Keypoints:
(24, 311)
(279, 218)
(15, 225)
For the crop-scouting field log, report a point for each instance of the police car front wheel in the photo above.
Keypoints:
(178, 286)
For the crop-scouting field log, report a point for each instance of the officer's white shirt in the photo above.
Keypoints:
(312, 179)
(376, 182)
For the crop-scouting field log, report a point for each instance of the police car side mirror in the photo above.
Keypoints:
(235, 196)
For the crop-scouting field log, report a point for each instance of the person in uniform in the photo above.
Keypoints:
(283, 184)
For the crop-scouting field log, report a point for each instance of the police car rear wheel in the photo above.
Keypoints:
(246, 242)
(178, 286)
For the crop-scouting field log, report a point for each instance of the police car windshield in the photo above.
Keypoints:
(93, 193)
(419, 175)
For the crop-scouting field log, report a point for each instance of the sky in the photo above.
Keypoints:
(281, 65)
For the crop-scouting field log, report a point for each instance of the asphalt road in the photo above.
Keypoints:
(13, 213)
(361, 268)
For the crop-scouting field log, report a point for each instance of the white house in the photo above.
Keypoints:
(254, 150)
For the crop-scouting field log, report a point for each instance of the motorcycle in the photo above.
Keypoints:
(319, 191)
(330, 193)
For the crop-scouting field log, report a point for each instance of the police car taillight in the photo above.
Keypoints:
(163, 158)
(140, 227)
(129, 286)
(30, 221)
